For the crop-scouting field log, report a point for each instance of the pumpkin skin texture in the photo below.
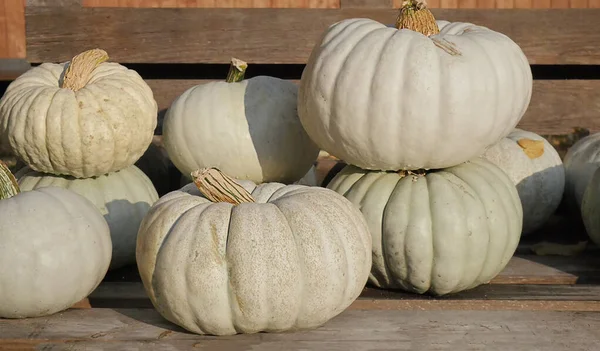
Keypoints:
(381, 98)
(55, 251)
(540, 180)
(249, 130)
(447, 231)
(590, 208)
(580, 162)
(105, 126)
(122, 197)
(292, 260)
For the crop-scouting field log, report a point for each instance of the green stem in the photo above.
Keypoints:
(8, 183)
(237, 70)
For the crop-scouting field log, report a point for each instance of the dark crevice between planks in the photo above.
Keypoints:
(294, 71)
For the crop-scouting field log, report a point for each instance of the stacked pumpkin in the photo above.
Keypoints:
(79, 127)
(411, 109)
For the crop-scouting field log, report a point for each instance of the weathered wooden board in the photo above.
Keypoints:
(276, 35)
(556, 105)
(119, 329)
(215, 3)
(12, 29)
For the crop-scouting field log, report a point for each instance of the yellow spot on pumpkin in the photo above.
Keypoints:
(532, 148)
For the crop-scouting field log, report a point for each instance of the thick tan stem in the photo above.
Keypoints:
(415, 15)
(8, 183)
(80, 68)
(219, 187)
(237, 70)
(532, 148)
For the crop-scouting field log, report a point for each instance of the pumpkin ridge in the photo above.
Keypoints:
(51, 160)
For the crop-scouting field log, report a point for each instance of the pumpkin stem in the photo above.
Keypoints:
(217, 186)
(532, 148)
(8, 184)
(415, 15)
(237, 70)
(81, 66)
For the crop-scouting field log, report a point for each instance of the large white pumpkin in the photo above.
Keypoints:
(249, 129)
(387, 99)
(100, 121)
(536, 169)
(123, 198)
(580, 162)
(443, 232)
(293, 259)
(55, 249)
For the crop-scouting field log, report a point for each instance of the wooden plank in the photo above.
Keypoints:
(556, 106)
(120, 329)
(214, 4)
(12, 29)
(276, 35)
(367, 4)
(10, 69)
(59, 3)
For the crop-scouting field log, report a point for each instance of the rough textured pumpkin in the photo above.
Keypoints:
(580, 162)
(98, 118)
(536, 169)
(249, 129)
(292, 258)
(123, 198)
(442, 232)
(55, 249)
(384, 98)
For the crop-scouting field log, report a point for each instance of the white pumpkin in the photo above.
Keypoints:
(536, 169)
(590, 208)
(249, 129)
(580, 162)
(293, 259)
(123, 198)
(99, 119)
(382, 98)
(55, 249)
(443, 232)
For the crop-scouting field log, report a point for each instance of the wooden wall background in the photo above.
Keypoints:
(12, 13)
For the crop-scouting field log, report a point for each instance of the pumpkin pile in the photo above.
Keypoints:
(81, 126)
(411, 109)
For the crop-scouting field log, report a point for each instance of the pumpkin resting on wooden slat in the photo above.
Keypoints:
(55, 249)
(268, 257)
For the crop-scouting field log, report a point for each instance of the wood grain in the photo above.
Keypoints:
(556, 105)
(119, 329)
(276, 35)
(213, 3)
(12, 29)
(367, 4)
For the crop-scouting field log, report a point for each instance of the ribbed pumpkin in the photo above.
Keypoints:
(424, 94)
(580, 162)
(536, 169)
(83, 118)
(123, 198)
(438, 232)
(249, 258)
(248, 128)
(55, 249)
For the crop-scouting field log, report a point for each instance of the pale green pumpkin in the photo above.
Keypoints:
(441, 232)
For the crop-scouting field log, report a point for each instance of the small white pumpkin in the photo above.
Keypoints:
(84, 118)
(249, 129)
(385, 98)
(286, 257)
(580, 162)
(123, 198)
(55, 249)
(536, 169)
(439, 233)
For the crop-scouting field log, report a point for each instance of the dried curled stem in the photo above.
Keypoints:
(8, 184)
(217, 186)
(416, 16)
(80, 68)
(237, 70)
